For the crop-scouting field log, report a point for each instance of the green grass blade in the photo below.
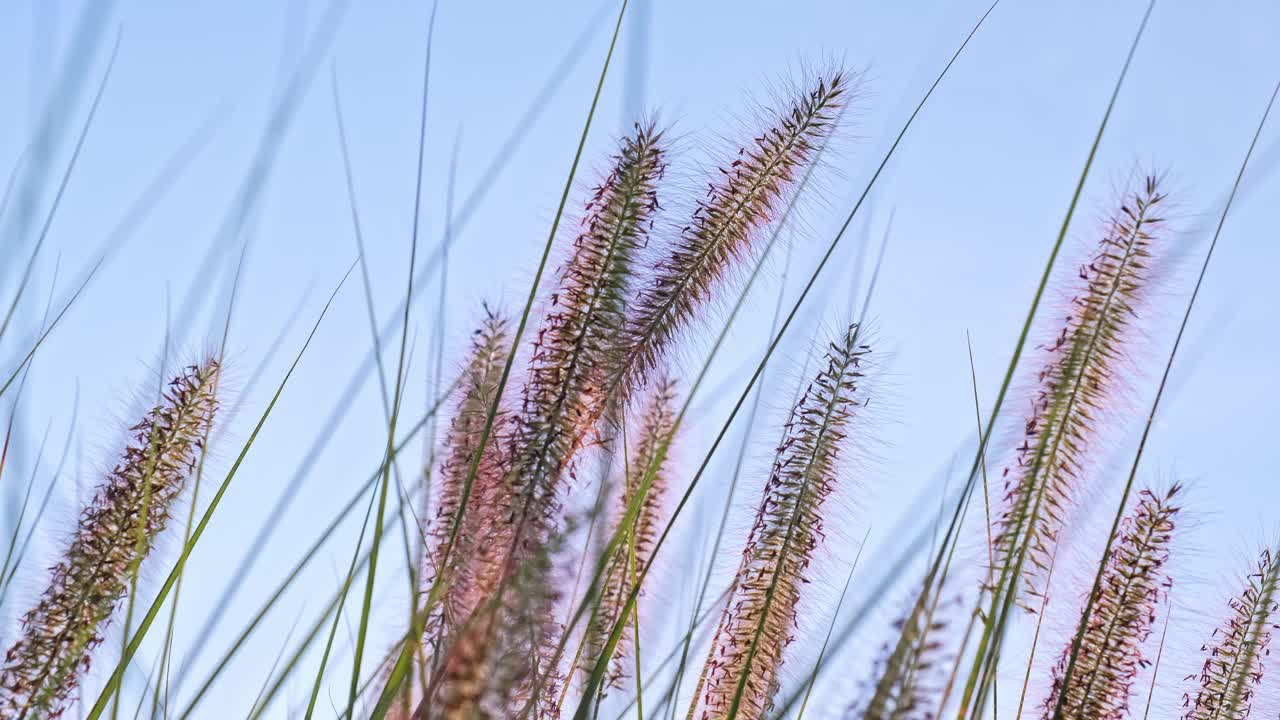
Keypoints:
(506, 151)
(988, 651)
(62, 187)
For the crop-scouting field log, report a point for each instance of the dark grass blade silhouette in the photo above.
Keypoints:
(1133, 587)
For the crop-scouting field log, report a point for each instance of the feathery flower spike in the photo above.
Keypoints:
(904, 688)
(1132, 587)
(741, 200)
(1233, 658)
(41, 670)
(634, 550)
(472, 562)
(1075, 387)
(562, 396)
(741, 673)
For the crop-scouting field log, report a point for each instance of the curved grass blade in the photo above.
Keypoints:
(62, 187)
(501, 158)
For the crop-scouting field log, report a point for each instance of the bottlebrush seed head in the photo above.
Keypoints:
(635, 547)
(60, 633)
(563, 395)
(574, 349)
(1111, 650)
(1076, 386)
(746, 194)
(1233, 658)
(473, 562)
(741, 673)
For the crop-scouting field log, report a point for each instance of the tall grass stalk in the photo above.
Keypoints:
(1164, 379)
(117, 530)
(397, 395)
(148, 618)
(982, 672)
(401, 666)
(747, 652)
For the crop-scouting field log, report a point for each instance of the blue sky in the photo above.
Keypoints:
(976, 194)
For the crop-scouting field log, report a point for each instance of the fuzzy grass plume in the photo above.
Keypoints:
(1233, 662)
(1075, 388)
(563, 393)
(741, 673)
(636, 545)
(741, 200)
(116, 531)
(471, 566)
(1111, 652)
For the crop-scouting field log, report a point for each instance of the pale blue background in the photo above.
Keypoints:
(976, 192)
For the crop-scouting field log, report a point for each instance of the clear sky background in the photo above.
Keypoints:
(970, 203)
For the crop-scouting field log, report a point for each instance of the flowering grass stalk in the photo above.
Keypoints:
(637, 545)
(562, 396)
(1132, 588)
(741, 673)
(471, 569)
(61, 632)
(739, 202)
(1076, 388)
(1233, 659)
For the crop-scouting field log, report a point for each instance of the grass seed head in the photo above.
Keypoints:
(116, 531)
(742, 671)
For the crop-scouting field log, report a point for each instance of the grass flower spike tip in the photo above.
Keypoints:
(743, 197)
(1132, 588)
(573, 348)
(741, 673)
(1075, 389)
(470, 566)
(908, 683)
(1233, 658)
(116, 531)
